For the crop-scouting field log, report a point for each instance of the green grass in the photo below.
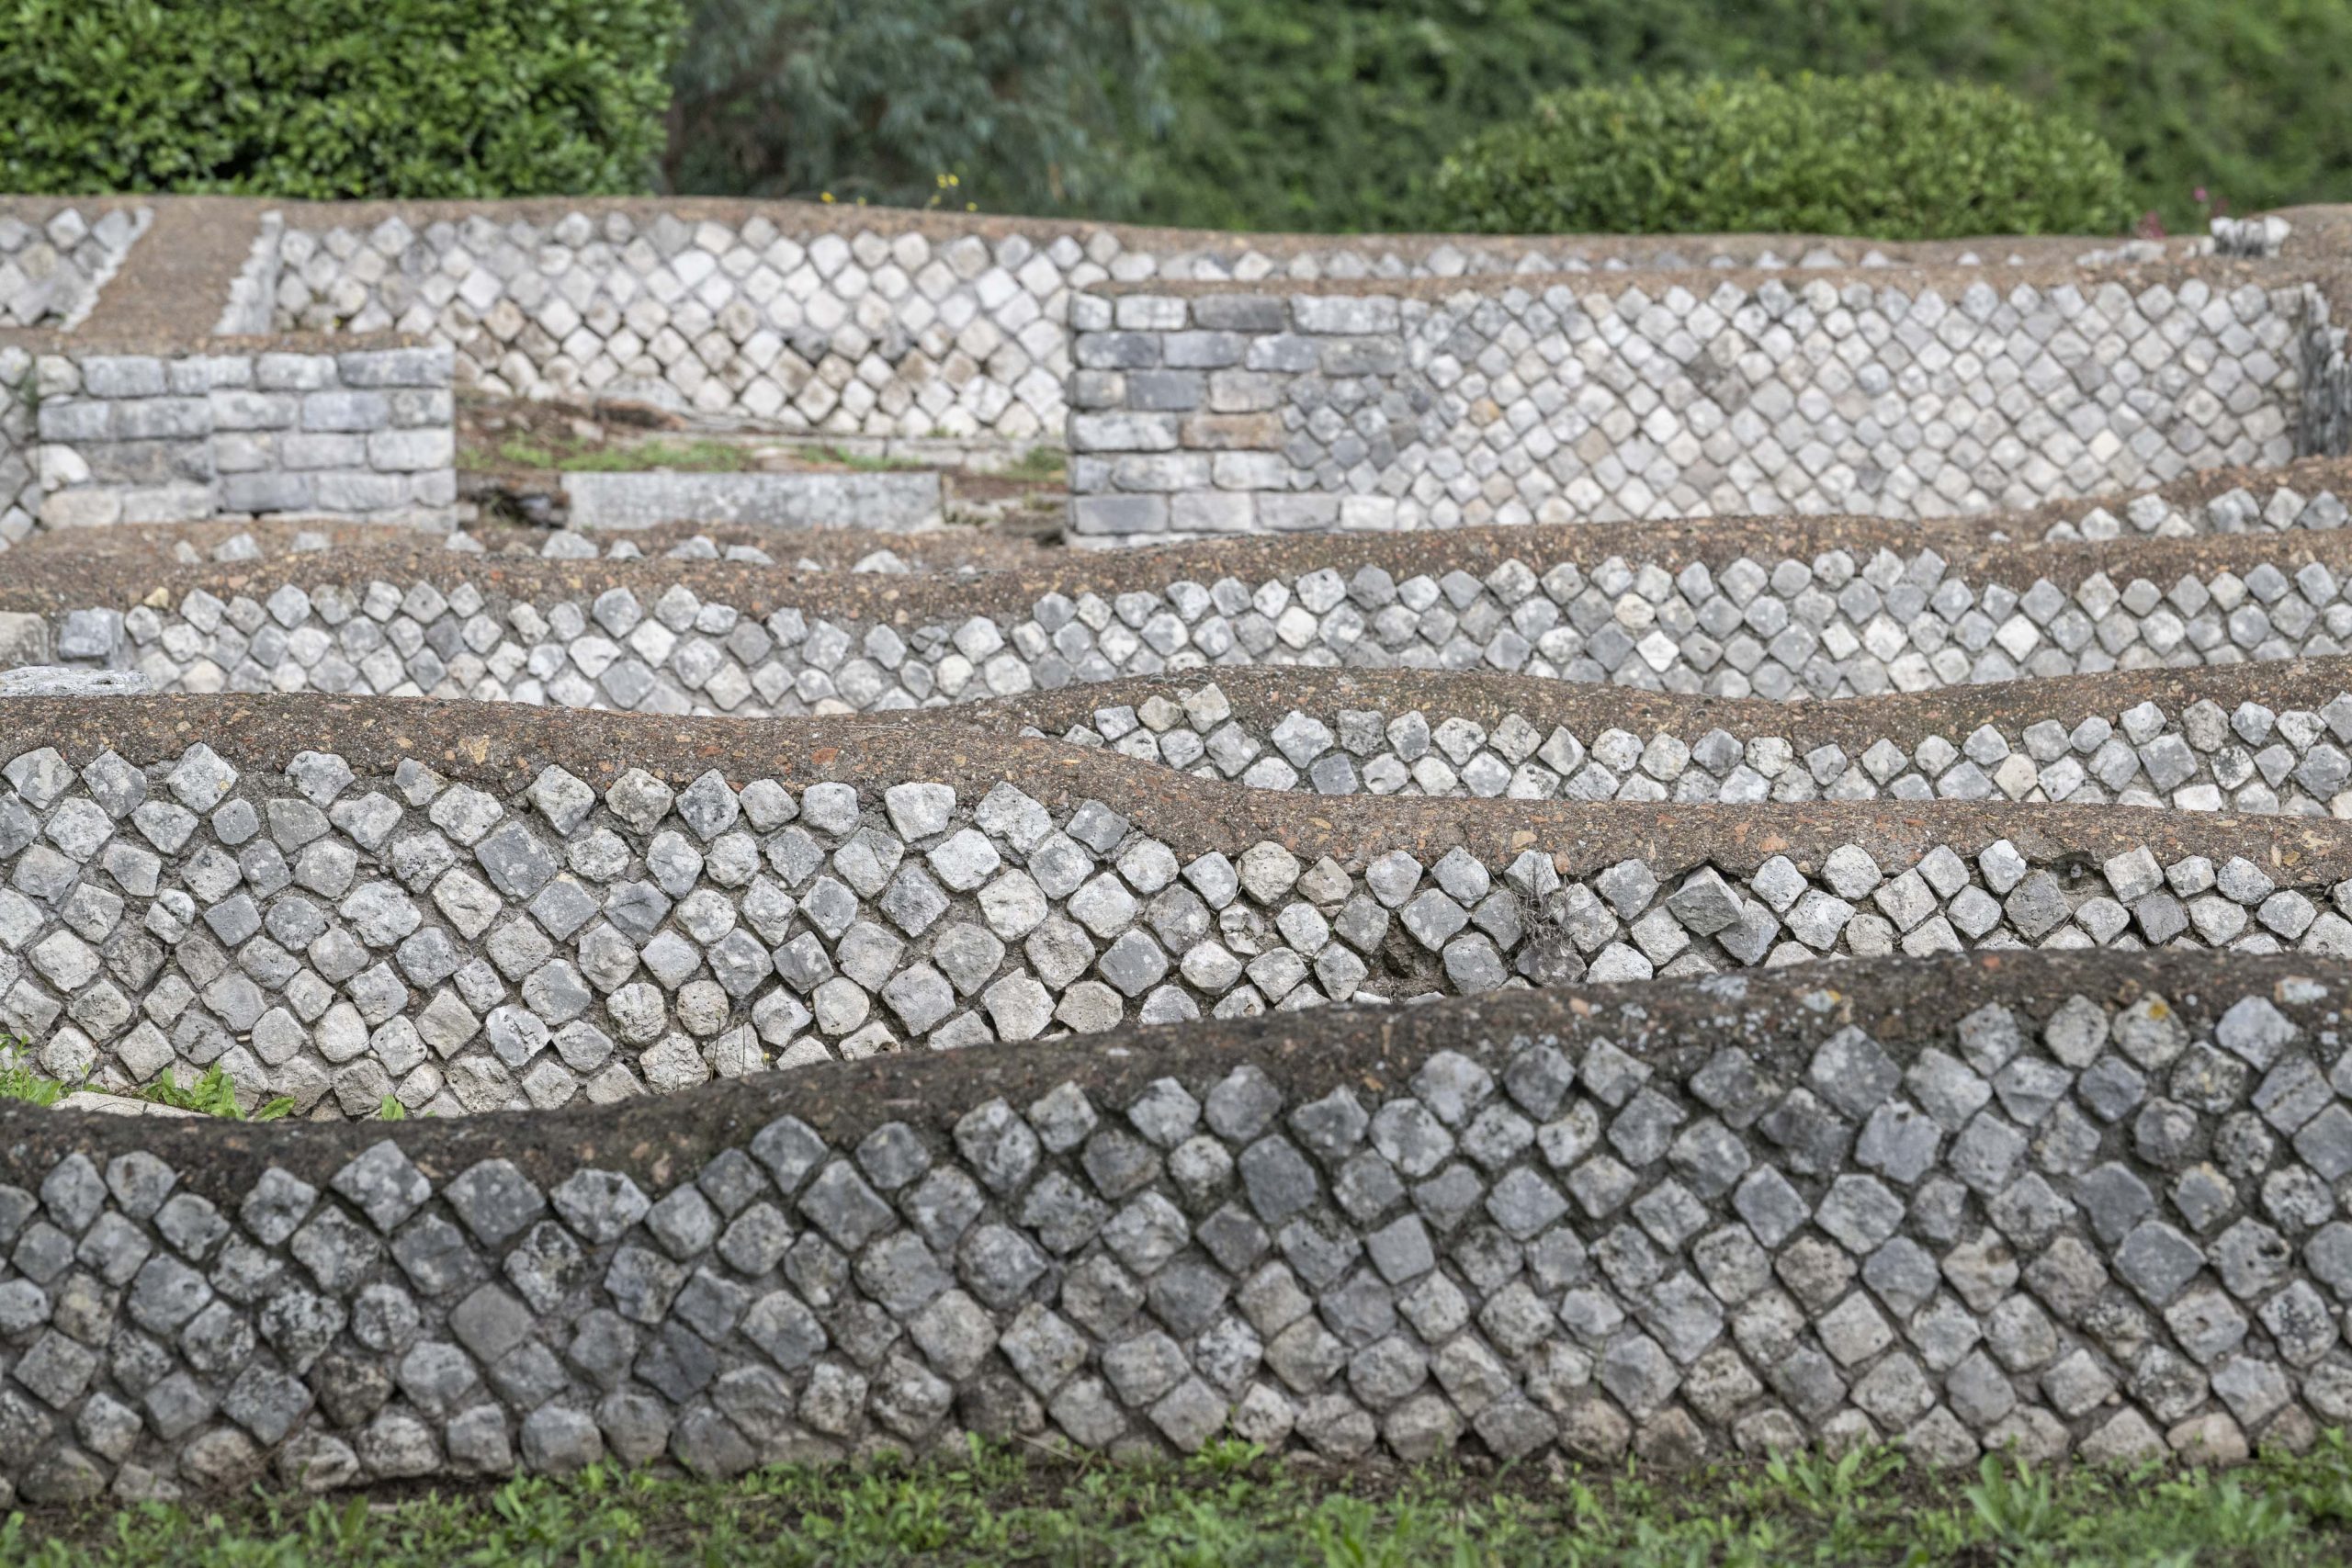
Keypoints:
(1232, 1508)
(858, 460)
(213, 1093)
(1039, 463)
(20, 1082)
(696, 456)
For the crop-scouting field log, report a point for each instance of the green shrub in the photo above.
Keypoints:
(1335, 114)
(1871, 155)
(334, 98)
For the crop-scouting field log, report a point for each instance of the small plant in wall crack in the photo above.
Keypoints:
(25, 391)
(214, 1092)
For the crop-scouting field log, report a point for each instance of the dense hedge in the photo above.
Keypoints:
(323, 98)
(1874, 155)
(1335, 114)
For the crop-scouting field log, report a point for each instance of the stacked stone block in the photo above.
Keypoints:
(2066, 1207)
(1225, 410)
(361, 431)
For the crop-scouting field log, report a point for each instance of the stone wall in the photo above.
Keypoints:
(56, 256)
(2263, 741)
(19, 447)
(1441, 380)
(1210, 410)
(871, 323)
(239, 429)
(2077, 1206)
(341, 914)
(2235, 510)
(1779, 610)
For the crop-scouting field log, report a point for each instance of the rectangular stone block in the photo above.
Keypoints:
(345, 410)
(1123, 433)
(1116, 351)
(123, 376)
(76, 420)
(1202, 351)
(1119, 513)
(224, 372)
(1097, 389)
(1089, 314)
(405, 451)
(1240, 312)
(237, 409)
(164, 419)
(1283, 354)
(1214, 512)
(24, 639)
(294, 372)
(304, 450)
(1150, 313)
(269, 491)
(894, 501)
(1250, 470)
(1362, 356)
(184, 503)
(1162, 471)
(1167, 391)
(413, 407)
(90, 507)
(1234, 432)
(423, 366)
(241, 452)
(144, 462)
(1368, 513)
(1243, 392)
(361, 492)
(1292, 513)
(1349, 314)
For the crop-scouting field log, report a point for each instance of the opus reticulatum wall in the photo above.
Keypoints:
(2070, 1204)
(1777, 609)
(1650, 1060)
(308, 902)
(1220, 410)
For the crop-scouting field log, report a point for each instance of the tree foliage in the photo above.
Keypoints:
(1874, 155)
(328, 98)
(1336, 114)
(1031, 105)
